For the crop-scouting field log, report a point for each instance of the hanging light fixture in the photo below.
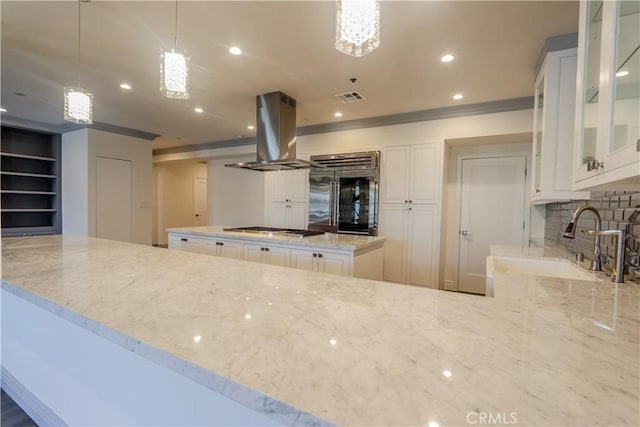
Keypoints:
(78, 102)
(174, 69)
(357, 26)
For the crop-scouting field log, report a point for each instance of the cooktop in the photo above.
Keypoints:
(279, 231)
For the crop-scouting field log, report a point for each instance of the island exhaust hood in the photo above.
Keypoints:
(275, 135)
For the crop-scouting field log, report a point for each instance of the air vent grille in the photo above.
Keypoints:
(349, 97)
(365, 160)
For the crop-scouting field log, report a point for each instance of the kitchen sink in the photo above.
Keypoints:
(537, 266)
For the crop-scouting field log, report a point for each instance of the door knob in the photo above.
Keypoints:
(466, 232)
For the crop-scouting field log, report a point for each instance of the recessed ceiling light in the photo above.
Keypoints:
(622, 73)
(198, 110)
(458, 96)
(3, 110)
(338, 114)
(235, 50)
(250, 127)
(125, 86)
(447, 58)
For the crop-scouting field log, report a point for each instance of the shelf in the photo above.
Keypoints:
(27, 210)
(47, 193)
(26, 156)
(32, 175)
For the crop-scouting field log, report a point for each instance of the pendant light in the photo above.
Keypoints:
(357, 26)
(78, 102)
(174, 69)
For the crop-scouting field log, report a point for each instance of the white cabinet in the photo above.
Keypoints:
(210, 246)
(606, 145)
(288, 185)
(288, 215)
(554, 110)
(410, 188)
(287, 199)
(321, 261)
(412, 246)
(411, 174)
(266, 254)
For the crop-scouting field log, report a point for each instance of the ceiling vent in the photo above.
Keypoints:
(349, 97)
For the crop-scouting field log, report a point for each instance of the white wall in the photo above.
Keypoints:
(79, 151)
(235, 197)
(173, 199)
(451, 205)
(75, 182)
(231, 190)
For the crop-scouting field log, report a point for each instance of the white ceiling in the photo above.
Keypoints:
(287, 46)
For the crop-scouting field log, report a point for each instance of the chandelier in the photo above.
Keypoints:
(78, 102)
(174, 70)
(357, 26)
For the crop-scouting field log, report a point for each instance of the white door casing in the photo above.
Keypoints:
(114, 190)
(492, 211)
(199, 201)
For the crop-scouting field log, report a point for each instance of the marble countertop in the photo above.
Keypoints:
(348, 351)
(350, 242)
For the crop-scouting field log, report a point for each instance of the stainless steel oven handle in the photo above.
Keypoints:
(331, 201)
(336, 205)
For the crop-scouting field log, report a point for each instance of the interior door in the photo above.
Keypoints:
(113, 199)
(199, 201)
(492, 211)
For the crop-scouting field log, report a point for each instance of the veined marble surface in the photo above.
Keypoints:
(350, 351)
(350, 242)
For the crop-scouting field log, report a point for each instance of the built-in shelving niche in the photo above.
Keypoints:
(30, 175)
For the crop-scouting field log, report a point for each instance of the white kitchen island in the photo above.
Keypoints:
(342, 254)
(147, 336)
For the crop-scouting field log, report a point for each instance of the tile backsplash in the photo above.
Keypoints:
(619, 210)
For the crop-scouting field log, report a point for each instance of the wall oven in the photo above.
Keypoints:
(344, 195)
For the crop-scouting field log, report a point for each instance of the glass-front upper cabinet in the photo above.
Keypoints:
(554, 113)
(607, 145)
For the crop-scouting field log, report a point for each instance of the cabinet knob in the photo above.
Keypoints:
(593, 164)
(409, 208)
(466, 232)
(319, 255)
(410, 201)
(262, 249)
(315, 255)
(184, 240)
(406, 201)
(266, 249)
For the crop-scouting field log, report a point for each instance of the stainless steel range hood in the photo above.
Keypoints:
(275, 135)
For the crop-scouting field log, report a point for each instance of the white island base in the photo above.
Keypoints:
(343, 254)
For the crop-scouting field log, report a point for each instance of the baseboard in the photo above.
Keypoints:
(30, 404)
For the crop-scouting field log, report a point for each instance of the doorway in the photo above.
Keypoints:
(199, 201)
(492, 211)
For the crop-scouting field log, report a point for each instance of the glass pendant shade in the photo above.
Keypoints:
(357, 26)
(174, 75)
(78, 105)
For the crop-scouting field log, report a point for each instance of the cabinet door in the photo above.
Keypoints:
(298, 183)
(252, 252)
(229, 249)
(394, 174)
(423, 242)
(298, 214)
(393, 219)
(176, 242)
(304, 259)
(277, 186)
(278, 215)
(277, 256)
(333, 263)
(425, 174)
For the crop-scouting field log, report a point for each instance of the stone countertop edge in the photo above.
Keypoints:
(252, 399)
(313, 241)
